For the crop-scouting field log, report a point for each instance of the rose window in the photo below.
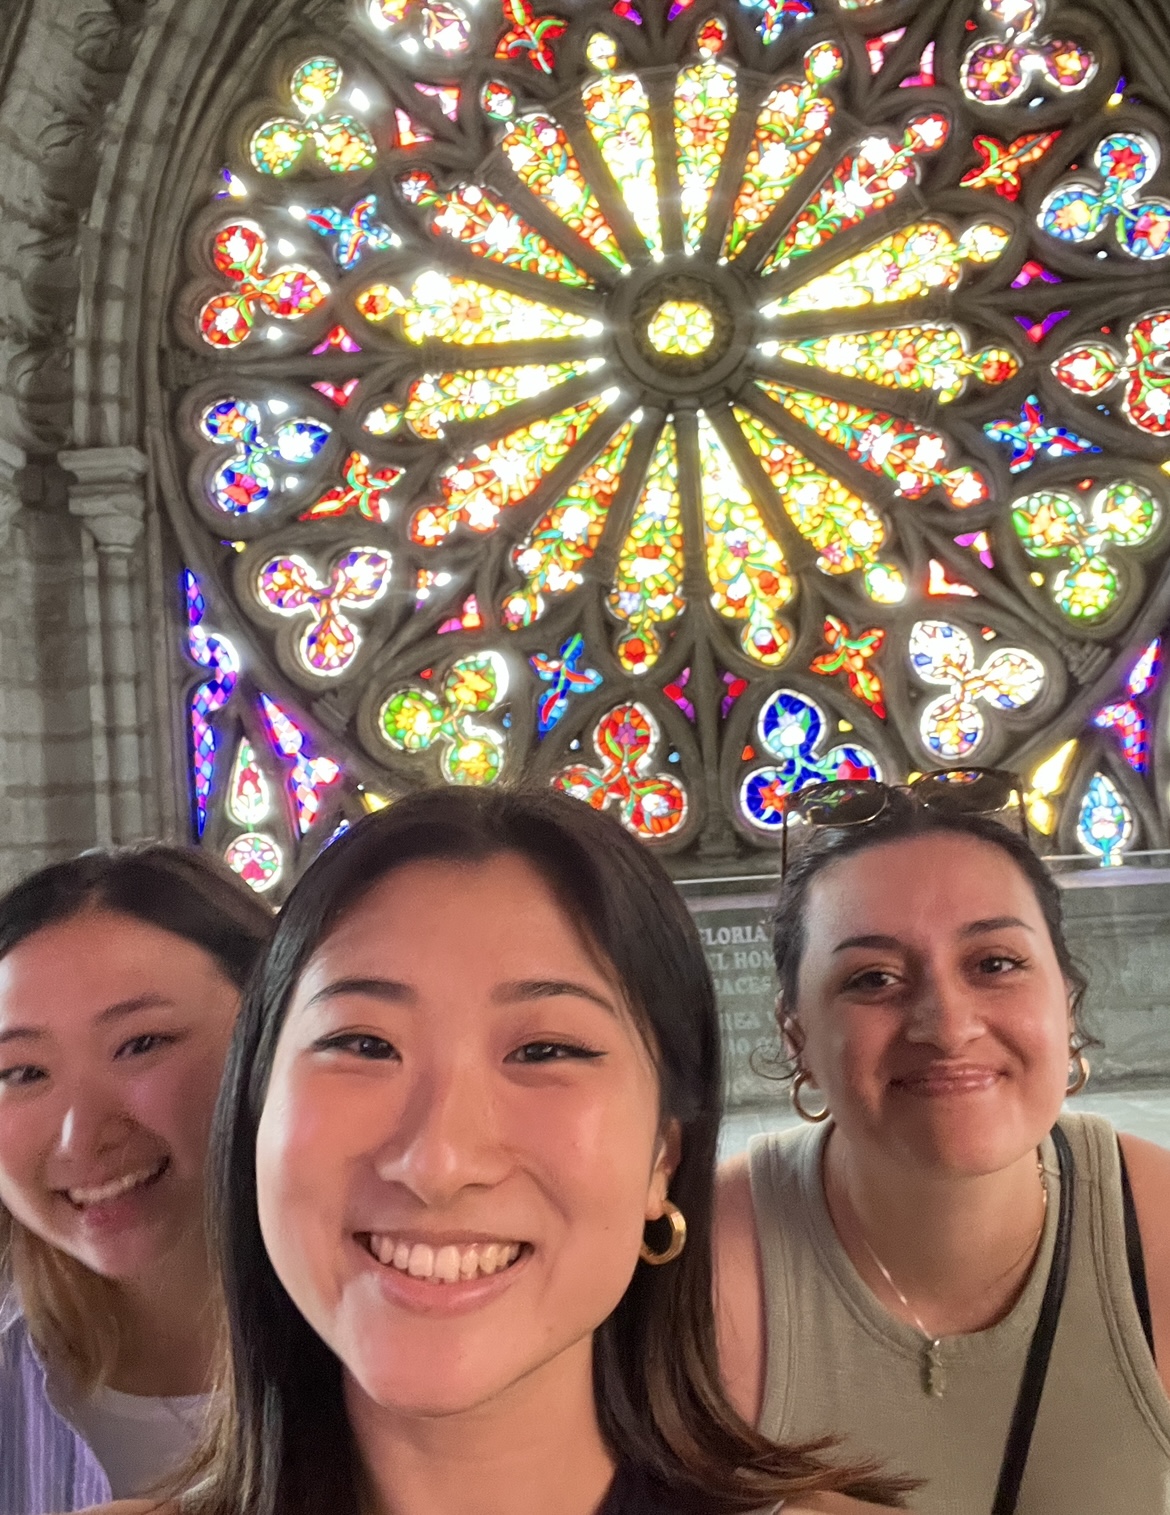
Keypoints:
(677, 403)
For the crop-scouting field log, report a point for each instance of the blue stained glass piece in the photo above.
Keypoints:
(791, 728)
(565, 678)
(1105, 824)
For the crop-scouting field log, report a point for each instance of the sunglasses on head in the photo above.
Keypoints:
(945, 791)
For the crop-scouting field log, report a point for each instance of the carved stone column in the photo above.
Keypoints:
(108, 497)
(12, 461)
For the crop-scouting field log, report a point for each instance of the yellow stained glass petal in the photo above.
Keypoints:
(617, 113)
(481, 222)
(905, 265)
(502, 473)
(864, 182)
(435, 401)
(566, 535)
(903, 357)
(647, 588)
(704, 105)
(540, 156)
(846, 530)
(913, 458)
(440, 308)
(790, 130)
(750, 580)
(601, 53)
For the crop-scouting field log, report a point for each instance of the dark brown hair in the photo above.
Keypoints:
(903, 821)
(283, 1445)
(68, 1308)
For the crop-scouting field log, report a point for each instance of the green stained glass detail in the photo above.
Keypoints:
(906, 265)
(750, 580)
(444, 308)
(903, 357)
(647, 589)
(481, 222)
(540, 155)
(501, 474)
(566, 536)
(704, 104)
(1086, 533)
(790, 131)
(339, 141)
(617, 113)
(911, 457)
(416, 720)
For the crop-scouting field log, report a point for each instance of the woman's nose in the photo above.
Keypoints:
(91, 1124)
(944, 1014)
(447, 1136)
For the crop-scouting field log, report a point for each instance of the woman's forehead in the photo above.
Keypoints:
(490, 917)
(931, 885)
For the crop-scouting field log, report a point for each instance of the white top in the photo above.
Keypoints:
(139, 1440)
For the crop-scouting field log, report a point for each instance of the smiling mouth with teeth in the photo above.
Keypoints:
(447, 1264)
(101, 1194)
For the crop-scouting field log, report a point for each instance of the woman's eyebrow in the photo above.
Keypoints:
(891, 942)
(125, 1007)
(115, 1012)
(23, 1033)
(390, 990)
(995, 923)
(548, 988)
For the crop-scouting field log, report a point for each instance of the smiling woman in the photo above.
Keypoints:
(990, 1276)
(464, 1165)
(120, 978)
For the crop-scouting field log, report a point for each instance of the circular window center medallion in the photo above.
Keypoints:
(681, 327)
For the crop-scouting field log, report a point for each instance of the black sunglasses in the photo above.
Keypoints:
(949, 791)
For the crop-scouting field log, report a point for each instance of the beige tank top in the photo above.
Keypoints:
(840, 1364)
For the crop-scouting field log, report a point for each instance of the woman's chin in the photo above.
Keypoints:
(425, 1391)
(967, 1137)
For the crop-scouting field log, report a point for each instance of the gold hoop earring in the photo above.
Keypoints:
(813, 1118)
(678, 1238)
(1083, 1068)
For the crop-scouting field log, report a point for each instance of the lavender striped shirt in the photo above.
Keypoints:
(45, 1466)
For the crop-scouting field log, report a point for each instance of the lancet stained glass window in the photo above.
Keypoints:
(677, 402)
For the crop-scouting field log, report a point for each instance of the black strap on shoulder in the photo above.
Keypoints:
(1019, 1441)
(1134, 1254)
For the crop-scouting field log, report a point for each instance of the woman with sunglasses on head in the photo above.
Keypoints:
(120, 980)
(941, 1265)
(464, 1174)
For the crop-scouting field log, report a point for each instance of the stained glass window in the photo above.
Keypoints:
(677, 404)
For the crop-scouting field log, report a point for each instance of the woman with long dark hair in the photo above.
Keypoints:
(989, 1274)
(120, 980)
(464, 1164)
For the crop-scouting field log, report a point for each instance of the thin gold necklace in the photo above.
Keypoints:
(934, 1378)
